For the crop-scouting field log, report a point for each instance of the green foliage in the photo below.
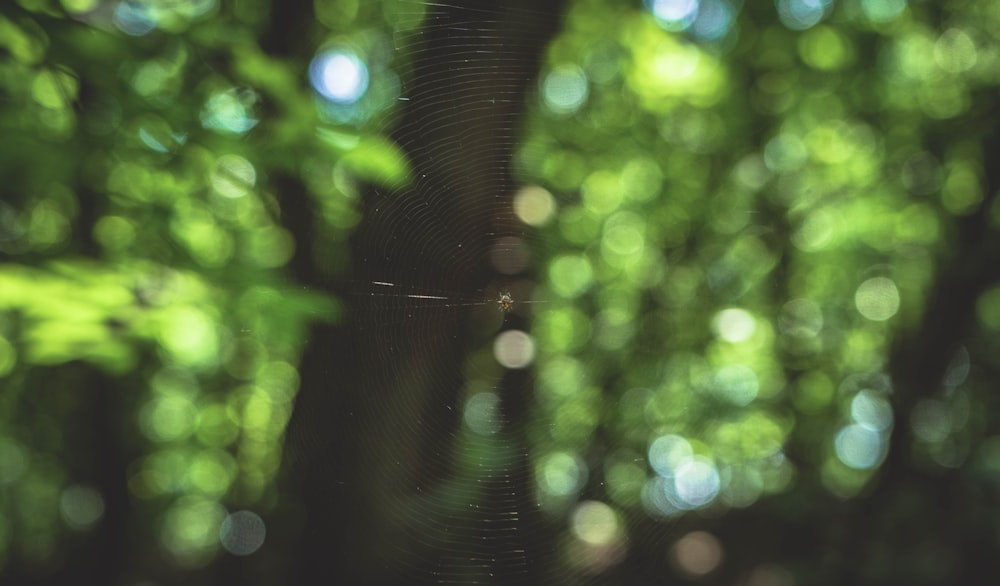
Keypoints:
(745, 226)
(751, 222)
(143, 230)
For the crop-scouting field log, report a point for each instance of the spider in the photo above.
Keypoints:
(505, 301)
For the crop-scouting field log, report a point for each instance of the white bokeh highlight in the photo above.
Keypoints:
(514, 349)
(339, 76)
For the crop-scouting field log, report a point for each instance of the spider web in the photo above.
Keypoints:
(446, 459)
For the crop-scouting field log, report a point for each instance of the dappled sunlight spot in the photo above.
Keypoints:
(877, 299)
(816, 232)
(624, 238)
(563, 169)
(280, 380)
(674, 15)
(912, 58)
(625, 479)
(190, 530)
(694, 483)
(339, 75)
(736, 384)
(744, 263)
(244, 355)
(742, 486)
(698, 131)
(211, 472)
(482, 413)
(752, 171)
(921, 223)
(962, 191)
(155, 79)
(167, 418)
(114, 233)
(836, 141)
(534, 205)
(696, 554)
(561, 378)
(734, 324)
(207, 240)
(785, 153)
(263, 418)
(697, 482)
(574, 421)
(614, 327)
(863, 348)
(860, 447)
(800, 15)
(242, 533)
(758, 435)
(269, 247)
(988, 309)
(824, 48)
(570, 275)
(131, 180)
(600, 62)
(562, 474)
(562, 329)
(595, 523)
(54, 89)
(134, 18)
(233, 176)
(655, 499)
(665, 70)
(216, 426)
(565, 89)
(882, 11)
(48, 225)
(869, 409)
(676, 63)
(514, 349)
(79, 6)
(190, 337)
(578, 224)
(601, 192)
(715, 19)
(600, 538)
(161, 473)
(667, 452)
(955, 51)
(800, 318)
(230, 111)
(641, 179)
(175, 381)
(81, 506)
(157, 135)
(944, 100)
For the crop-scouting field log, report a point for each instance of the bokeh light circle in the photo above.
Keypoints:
(514, 349)
(339, 76)
(877, 298)
(242, 533)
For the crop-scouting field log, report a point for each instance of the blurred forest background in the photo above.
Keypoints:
(251, 253)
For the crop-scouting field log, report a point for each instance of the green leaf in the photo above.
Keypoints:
(371, 158)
